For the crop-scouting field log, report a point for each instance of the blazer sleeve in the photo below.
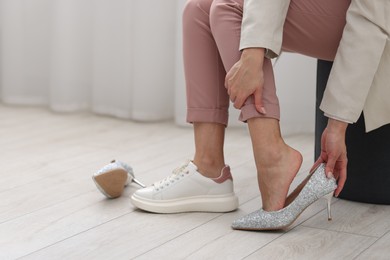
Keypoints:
(262, 25)
(357, 60)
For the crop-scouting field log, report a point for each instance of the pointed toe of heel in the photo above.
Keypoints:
(314, 187)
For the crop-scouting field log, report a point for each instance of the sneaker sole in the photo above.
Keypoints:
(111, 183)
(223, 203)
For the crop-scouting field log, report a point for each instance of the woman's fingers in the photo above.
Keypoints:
(342, 176)
(258, 101)
(246, 78)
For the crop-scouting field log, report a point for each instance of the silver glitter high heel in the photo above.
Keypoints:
(314, 187)
(113, 178)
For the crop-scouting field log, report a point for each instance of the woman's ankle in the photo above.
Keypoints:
(209, 168)
(272, 154)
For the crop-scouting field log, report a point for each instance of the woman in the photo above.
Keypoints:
(228, 45)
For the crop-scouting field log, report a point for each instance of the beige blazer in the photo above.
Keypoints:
(360, 78)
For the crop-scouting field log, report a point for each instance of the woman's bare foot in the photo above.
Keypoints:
(276, 175)
(276, 162)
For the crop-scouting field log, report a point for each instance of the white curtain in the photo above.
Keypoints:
(120, 58)
(114, 57)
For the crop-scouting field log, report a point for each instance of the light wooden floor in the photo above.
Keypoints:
(50, 208)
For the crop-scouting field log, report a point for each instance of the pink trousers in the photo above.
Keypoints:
(211, 36)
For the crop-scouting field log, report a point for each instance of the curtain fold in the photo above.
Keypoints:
(111, 57)
(24, 56)
(70, 51)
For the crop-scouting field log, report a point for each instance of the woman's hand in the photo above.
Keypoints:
(334, 152)
(246, 78)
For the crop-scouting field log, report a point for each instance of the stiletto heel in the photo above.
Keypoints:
(314, 187)
(138, 182)
(329, 197)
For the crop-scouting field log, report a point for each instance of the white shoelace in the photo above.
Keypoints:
(176, 175)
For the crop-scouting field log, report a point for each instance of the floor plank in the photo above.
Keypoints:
(380, 250)
(367, 219)
(309, 243)
(124, 238)
(27, 234)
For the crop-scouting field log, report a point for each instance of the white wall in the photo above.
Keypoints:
(295, 82)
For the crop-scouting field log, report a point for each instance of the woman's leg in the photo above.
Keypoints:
(314, 27)
(209, 140)
(207, 100)
(277, 163)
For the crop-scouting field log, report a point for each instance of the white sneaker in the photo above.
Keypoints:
(113, 178)
(187, 190)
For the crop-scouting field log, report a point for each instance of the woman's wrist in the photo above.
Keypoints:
(257, 53)
(335, 125)
(253, 55)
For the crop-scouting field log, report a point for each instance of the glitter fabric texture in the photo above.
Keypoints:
(316, 187)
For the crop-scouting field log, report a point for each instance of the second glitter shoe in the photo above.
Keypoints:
(113, 178)
(314, 187)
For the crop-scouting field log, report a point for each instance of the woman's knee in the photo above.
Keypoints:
(221, 10)
(194, 9)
